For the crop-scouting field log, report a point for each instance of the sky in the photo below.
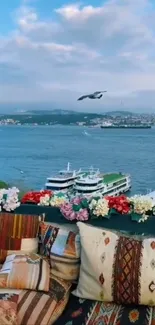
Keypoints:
(52, 52)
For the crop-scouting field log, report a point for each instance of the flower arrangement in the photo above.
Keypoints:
(35, 197)
(79, 208)
(9, 199)
(76, 209)
(142, 207)
(99, 207)
(58, 200)
(120, 204)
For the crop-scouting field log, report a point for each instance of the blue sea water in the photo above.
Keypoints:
(41, 151)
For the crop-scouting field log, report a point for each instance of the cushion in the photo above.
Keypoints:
(62, 246)
(25, 272)
(115, 267)
(90, 312)
(40, 308)
(18, 233)
(8, 308)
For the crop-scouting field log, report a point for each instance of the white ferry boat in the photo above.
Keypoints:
(93, 182)
(63, 181)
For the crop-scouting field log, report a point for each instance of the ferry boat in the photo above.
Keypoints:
(63, 181)
(93, 182)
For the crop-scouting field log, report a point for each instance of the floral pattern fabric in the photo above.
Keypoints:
(90, 312)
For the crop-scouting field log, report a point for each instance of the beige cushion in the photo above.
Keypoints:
(115, 267)
(25, 271)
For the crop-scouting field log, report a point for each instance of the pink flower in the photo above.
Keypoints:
(76, 200)
(82, 215)
(67, 211)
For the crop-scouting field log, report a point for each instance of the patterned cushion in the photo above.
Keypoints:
(18, 233)
(25, 272)
(62, 246)
(8, 308)
(39, 308)
(115, 267)
(91, 312)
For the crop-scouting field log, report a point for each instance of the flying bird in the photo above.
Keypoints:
(21, 171)
(95, 95)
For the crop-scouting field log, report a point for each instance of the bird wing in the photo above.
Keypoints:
(99, 92)
(83, 97)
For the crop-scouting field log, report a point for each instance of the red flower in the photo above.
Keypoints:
(34, 197)
(119, 203)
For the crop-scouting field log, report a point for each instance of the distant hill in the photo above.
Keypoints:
(120, 113)
(69, 112)
(51, 112)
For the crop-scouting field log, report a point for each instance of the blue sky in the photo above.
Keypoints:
(54, 51)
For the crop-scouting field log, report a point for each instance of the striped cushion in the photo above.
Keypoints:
(25, 272)
(40, 308)
(62, 246)
(18, 233)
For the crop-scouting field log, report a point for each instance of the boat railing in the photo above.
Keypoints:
(116, 172)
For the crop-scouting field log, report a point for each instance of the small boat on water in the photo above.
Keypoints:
(89, 182)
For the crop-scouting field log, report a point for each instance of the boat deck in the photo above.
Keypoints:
(109, 178)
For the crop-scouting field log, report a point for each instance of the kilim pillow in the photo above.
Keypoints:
(62, 246)
(115, 267)
(18, 233)
(8, 307)
(25, 272)
(43, 308)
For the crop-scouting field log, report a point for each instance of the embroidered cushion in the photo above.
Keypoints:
(18, 233)
(116, 267)
(62, 246)
(25, 272)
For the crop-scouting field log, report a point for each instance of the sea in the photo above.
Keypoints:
(30, 154)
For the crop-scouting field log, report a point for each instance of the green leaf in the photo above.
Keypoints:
(76, 207)
(5, 197)
(135, 216)
(93, 216)
(113, 211)
(108, 216)
(85, 203)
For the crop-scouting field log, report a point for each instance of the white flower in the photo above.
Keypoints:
(142, 204)
(100, 208)
(9, 198)
(56, 201)
(143, 218)
(45, 200)
(92, 204)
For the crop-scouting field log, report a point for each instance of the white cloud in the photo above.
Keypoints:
(81, 49)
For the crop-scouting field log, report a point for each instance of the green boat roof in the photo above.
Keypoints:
(110, 178)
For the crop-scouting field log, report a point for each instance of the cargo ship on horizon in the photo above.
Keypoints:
(126, 126)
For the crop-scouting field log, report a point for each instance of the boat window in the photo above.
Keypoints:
(119, 182)
(59, 181)
(55, 188)
(86, 184)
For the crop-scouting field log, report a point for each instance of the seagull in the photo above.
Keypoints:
(95, 95)
(21, 171)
